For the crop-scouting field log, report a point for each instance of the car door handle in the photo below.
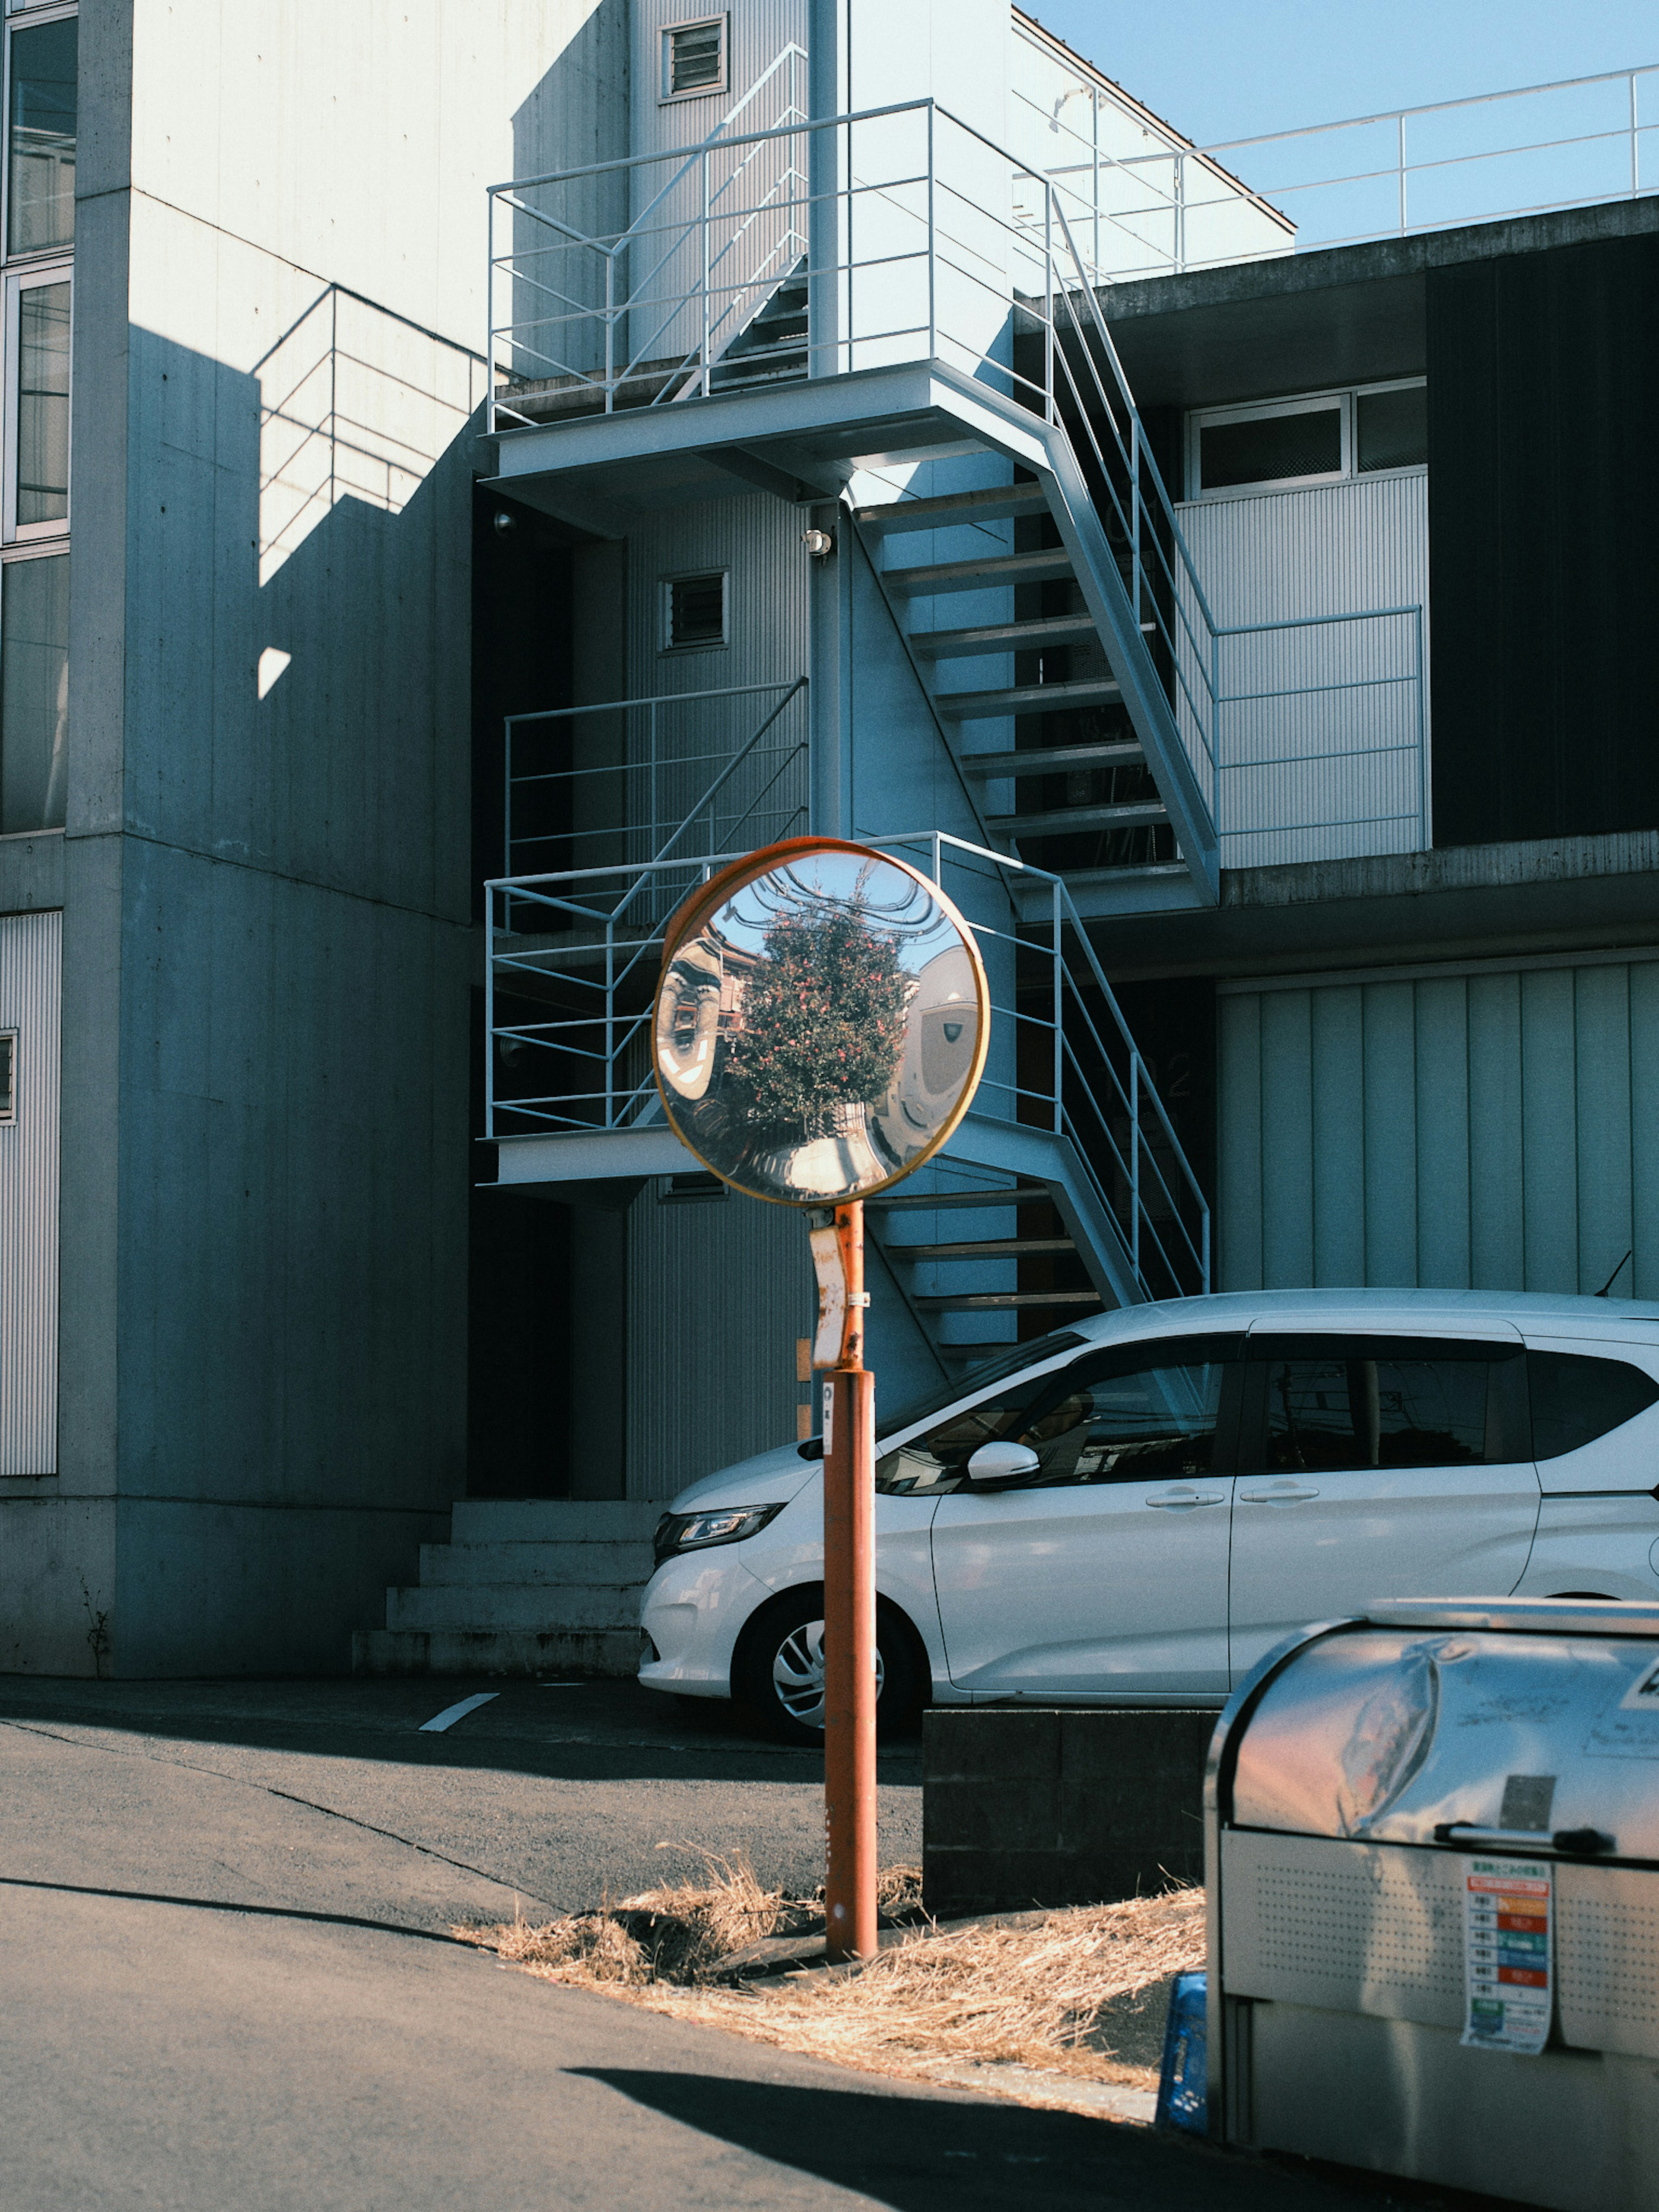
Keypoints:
(1183, 1501)
(1289, 1494)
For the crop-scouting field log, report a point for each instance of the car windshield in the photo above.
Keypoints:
(1014, 1361)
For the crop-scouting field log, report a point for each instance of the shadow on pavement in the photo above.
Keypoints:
(597, 1730)
(934, 2154)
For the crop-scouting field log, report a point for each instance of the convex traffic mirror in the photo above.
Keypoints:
(821, 1024)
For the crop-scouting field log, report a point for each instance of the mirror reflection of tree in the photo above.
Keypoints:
(820, 1028)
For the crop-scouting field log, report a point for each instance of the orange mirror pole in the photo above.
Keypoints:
(850, 1587)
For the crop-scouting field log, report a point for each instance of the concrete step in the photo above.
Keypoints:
(1025, 699)
(537, 1607)
(494, 1651)
(994, 503)
(1054, 760)
(555, 1520)
(486, 1566)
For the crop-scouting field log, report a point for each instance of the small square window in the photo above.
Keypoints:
(694, 612)
(694, 58)
(8, 1075)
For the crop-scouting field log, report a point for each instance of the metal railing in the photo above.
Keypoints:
(1412, 169)
(573, 962)
(641, 779)
(629, 309)
(947, 247)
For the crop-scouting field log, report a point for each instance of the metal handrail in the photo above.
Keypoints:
(588, 909)
(1400, 169)
(780, 695)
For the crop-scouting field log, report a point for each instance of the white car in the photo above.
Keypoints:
(1132, 1510)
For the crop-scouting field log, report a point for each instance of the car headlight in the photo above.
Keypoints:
(694, 1532)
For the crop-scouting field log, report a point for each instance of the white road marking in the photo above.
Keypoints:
(451, 1714)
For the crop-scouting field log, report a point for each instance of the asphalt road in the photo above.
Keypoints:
(299, 1793)
(229, 1984)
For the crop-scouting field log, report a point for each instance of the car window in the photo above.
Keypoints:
(1115, 1416)
(1018, 1359)
(1576, 1399)
(1325, 1414)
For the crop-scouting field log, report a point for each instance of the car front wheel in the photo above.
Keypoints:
(778, 1673)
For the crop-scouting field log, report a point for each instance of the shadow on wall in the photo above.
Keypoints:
(294, 1075)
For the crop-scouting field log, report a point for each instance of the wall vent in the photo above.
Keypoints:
(694, 58)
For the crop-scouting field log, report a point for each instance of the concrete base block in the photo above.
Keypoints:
(494, 1651)
(1029, 1806)
(516, 1607)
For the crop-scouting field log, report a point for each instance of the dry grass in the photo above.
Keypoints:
(1046, 1995)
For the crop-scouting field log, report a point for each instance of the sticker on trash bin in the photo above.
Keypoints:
(1508, 1912)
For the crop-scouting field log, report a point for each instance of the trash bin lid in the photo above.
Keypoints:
(1468, 1725)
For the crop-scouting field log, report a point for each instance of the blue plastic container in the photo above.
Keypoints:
(1182, 2089)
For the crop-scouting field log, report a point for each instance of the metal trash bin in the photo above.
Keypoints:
(1432, 1841)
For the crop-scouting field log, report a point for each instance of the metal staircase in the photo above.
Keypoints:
(1085, 800)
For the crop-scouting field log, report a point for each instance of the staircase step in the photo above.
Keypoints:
(1021, 1194)
(1003, 637)
(994, 1247)
(984, 574)
(610, 1651)
(1025, 699)
(995, 503)
(488, 1566)
(518, 1607)
(978, 1301)
(1079, 818)
(554, 1520)
(1054, 760)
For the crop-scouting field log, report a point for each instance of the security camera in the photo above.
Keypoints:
(504, 522)
(820, 544)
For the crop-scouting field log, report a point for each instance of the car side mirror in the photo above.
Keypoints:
(1002, 1462)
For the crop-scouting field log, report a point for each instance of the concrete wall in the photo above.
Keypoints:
(266, 880)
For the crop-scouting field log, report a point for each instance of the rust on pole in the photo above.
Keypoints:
(821, 1024)
(849, 1585)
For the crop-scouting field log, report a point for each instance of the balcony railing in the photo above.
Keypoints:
(632, 781)
(573, 962)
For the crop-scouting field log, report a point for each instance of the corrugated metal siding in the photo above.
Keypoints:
(757, 540)
(756, 192)
(1546, 558)
(1478, 1129)
(29, 1004)
(718, 1294)
(1320, 754)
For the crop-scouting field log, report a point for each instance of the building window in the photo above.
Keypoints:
(694, 58)
(34, 693)
(1288, 445)
(40, 136)
(37, 224)
(8, 1075)
(38, 330)
(694, 612)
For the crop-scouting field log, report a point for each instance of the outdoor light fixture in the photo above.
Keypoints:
(820, 544)
(504, 522)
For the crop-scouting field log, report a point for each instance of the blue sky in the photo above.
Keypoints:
(1219, 68)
